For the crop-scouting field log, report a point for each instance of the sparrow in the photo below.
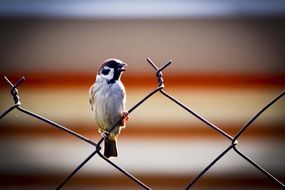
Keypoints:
(107, 97)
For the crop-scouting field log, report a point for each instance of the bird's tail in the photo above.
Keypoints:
(110, 149)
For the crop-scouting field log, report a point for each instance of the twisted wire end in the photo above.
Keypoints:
(159, 71)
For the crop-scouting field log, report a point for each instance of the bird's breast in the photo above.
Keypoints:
(109, 105)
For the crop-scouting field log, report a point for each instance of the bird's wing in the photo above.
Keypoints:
(92, 94)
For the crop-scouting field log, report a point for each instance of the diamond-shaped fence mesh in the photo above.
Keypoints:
(233, 140)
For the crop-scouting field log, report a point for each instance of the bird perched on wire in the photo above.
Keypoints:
(107, 97)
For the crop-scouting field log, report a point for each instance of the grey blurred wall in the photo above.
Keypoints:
(196, 45)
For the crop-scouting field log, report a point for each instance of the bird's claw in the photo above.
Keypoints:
(105, 134)
(125, 118)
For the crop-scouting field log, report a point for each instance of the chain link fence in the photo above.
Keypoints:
(233, 140)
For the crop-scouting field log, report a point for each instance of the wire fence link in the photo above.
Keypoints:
(233, 141)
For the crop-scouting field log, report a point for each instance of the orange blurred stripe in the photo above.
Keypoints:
(226, 80)
(154, 181)
(260, 131)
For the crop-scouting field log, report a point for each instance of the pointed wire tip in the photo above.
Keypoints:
(19, 82)
(8, 81)
(149, 60)
(22, 79)
(165, 65)
(16, 84)
(152, 64)
(5, 77)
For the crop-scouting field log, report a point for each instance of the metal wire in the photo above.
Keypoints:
(160, 87)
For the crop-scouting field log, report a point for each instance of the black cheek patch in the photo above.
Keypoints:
(105, 71)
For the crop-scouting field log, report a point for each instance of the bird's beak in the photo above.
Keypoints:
(122, 67)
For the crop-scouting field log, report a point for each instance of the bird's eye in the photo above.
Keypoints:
(105, 71)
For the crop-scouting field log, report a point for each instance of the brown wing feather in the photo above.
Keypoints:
(92, 95)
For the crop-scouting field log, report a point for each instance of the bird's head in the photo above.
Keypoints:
(111, 70)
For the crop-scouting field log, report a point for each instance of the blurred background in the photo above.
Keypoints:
(228, 62)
